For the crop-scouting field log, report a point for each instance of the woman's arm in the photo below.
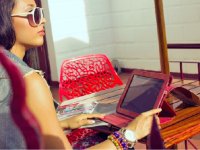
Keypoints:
(140, 125)
(40, 102)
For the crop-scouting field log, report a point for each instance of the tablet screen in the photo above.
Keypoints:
(142, 94)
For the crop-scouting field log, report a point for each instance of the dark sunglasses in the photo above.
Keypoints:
(35, 16)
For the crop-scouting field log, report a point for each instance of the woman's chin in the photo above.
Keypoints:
(35, 45)
(38, 43)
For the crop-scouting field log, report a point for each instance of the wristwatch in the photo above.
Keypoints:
(129, 136)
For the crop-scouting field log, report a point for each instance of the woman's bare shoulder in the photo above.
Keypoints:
(35, 79)
(37, 88)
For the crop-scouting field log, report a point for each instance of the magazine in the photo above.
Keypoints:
(73, 109)
(69, 110)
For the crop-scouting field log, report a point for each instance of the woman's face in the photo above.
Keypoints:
(27, 35)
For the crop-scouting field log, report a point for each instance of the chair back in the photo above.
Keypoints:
(86, 74)
(25, 121)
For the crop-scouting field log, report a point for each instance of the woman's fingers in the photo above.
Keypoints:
(158, 121)
(85, 116)
(85, 119)
(152, 112)
(86, 122)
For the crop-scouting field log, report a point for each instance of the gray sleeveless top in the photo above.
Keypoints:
(10, 136)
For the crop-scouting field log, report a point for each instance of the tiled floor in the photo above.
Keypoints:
(124, 76)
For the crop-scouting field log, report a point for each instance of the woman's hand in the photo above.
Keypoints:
(142, 124)
(80, 120)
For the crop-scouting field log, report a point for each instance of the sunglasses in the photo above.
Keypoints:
(35, 16)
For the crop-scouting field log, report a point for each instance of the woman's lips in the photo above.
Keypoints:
(42, 32)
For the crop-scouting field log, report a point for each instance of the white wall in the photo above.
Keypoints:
(79, 27)
(50, 43)
(135, 34)
(183, 26)
(122, 29)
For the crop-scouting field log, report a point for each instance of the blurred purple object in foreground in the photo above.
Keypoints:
(155, 140)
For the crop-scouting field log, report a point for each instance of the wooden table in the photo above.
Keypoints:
(185, 124)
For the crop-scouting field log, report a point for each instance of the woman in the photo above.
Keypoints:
(22, 28)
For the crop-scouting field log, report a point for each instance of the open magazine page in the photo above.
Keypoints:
(73, 109)
(77, 108)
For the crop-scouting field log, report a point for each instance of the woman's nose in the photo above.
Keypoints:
(44, 20)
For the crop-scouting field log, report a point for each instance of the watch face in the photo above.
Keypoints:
(130, 135)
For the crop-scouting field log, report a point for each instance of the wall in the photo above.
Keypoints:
(122, 29)
(135, 34)
(79, 27)
(183, 26)
(50, 43)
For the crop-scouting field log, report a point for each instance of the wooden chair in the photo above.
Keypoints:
(85, 75)
(25, 121)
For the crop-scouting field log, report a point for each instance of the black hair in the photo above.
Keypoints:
(7, 33)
